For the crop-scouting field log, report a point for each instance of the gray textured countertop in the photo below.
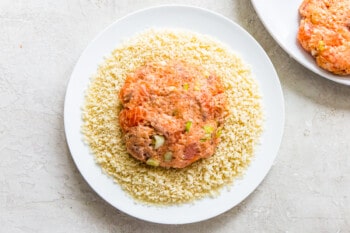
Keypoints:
(307, 190)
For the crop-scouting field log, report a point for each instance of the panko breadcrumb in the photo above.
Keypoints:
(239, 137)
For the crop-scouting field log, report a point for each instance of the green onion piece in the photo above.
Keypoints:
(218, 133)
(159, 141)
(152, 162)
(208, 129)
(186, 86)
(168, 156)
(188, 126)
(321, 45)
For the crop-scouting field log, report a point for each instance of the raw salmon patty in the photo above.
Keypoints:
(324, 32)
(172, 113)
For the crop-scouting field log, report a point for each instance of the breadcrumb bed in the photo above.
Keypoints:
(204, 178)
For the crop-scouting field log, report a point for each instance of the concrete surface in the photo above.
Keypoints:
(307, 190)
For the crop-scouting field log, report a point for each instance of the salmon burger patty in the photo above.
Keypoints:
(172, 113)
(325, 33)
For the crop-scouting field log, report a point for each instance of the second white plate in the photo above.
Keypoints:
(281, 19)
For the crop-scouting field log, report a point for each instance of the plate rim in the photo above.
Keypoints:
(282, 107)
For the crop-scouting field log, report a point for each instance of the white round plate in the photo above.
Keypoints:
(201, 21)
(281, 19)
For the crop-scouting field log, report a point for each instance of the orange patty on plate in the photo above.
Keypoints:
(172, 113)
(325, 33)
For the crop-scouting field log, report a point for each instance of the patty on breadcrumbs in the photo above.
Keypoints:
(206, 177)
